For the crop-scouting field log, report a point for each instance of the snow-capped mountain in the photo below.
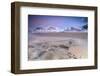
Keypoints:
(45, 29)
(72, 29)
(56, 29)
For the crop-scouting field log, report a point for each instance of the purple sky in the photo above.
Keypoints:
(60, 22)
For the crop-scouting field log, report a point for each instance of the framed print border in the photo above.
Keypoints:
(15, 37)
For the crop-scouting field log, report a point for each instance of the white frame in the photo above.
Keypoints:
(25, 64)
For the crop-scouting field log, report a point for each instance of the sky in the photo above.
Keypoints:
(60, 22)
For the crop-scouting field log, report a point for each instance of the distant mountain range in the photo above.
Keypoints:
(55, 29)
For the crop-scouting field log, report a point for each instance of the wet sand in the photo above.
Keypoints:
(50, 46)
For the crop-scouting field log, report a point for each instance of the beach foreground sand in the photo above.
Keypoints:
(50, 46)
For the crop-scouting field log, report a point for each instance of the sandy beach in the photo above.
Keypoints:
(63, 45)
